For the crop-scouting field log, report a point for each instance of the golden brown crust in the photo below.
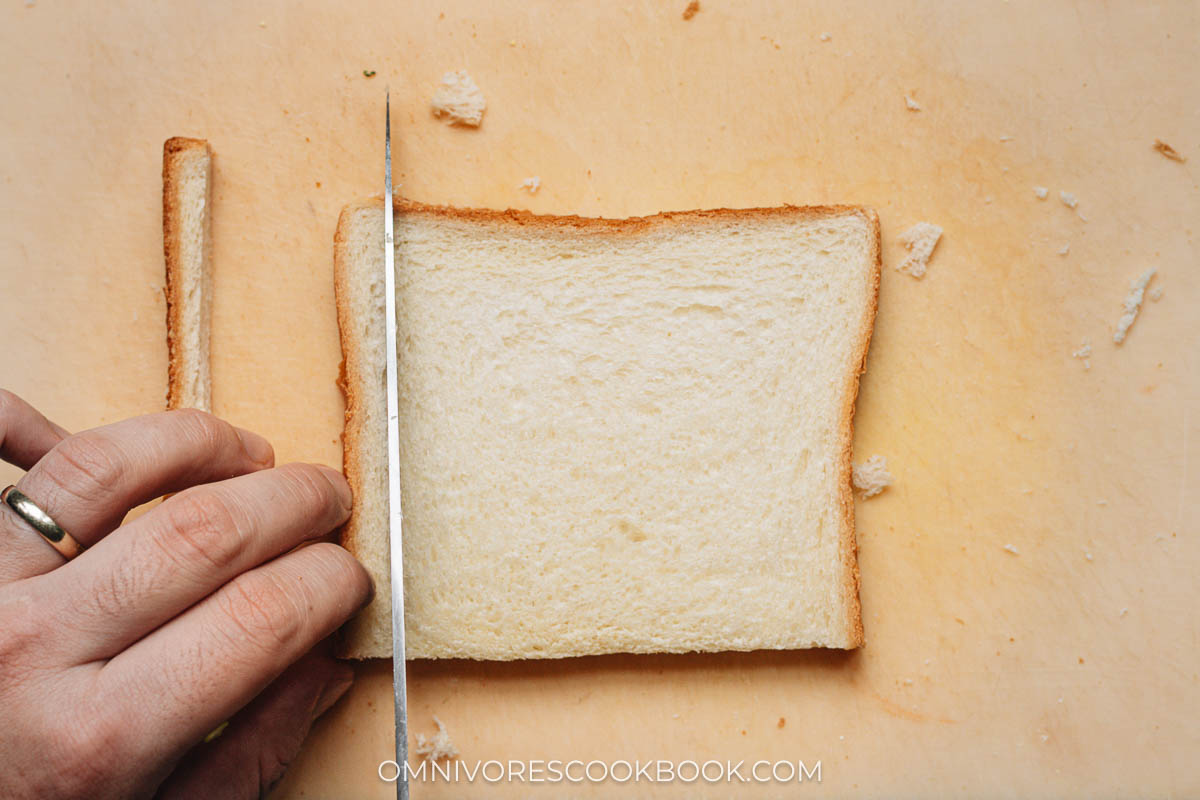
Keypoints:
(849, 541)
(352, 368)
(350, 377)
(576, 225)
(175, 150)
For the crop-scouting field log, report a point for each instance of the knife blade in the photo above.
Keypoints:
(395, 510)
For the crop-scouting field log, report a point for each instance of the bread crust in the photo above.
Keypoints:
(351, 378)
(351, 638)
(849, 539)
(176, 151)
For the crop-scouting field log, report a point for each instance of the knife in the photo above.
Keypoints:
(395, 513)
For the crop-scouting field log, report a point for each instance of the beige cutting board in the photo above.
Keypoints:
(1069, 666)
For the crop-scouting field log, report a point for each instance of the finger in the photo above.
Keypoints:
(149, 570)
(88, 482)
(251, 754)
(25, 435)
(181, 681)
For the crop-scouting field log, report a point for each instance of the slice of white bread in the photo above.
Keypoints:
(615, 435)
(187, 244)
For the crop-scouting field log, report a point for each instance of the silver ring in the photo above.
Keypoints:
(41, 522)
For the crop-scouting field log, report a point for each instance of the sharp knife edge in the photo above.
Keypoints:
(395, 512)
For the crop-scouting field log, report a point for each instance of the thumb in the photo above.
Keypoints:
(253, 751)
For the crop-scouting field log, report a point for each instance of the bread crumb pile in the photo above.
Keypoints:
(1133, 304)
(871, 477)
(458, 100)
(437, 746)
(920, 240)
(1084, 353)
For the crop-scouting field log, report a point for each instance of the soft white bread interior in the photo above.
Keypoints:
(458, 100)
(615, 435)
(187, 244)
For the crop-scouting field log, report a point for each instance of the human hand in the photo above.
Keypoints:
(115, 665)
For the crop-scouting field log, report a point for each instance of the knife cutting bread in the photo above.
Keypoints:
(616, 435)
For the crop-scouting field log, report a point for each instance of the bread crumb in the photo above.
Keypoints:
(1132, 304)
(1012, 549)
(458, 100)
(1168, 151)
(1045, 737)
(1068, 199)
(512, 42)
(1066, 248)
(911, 104)
(825, 37)
(988, 200)
(781, 723)
(871, 477)
(1155, 294)
(1124, 611)
(1084, 353)
(532, 184)
(920, 240)
(1006, 138)
(1041, 191)
(1088, 556)
(437, 746)
(691, 9)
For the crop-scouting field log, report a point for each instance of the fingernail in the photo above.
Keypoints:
(339, 485)
(333, 692)
(258, 448)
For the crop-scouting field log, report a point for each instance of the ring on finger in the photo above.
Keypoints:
(41, 522)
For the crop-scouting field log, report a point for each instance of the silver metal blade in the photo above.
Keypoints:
(395, 512)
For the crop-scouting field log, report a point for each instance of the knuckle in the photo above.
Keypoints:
(112, 592)
(310, 487)
(210, 433)
(263, 611)
(82, 466)
(200, 526)
(345, 573)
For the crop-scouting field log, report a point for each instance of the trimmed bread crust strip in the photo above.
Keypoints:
(368, 634)
(187, 245)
